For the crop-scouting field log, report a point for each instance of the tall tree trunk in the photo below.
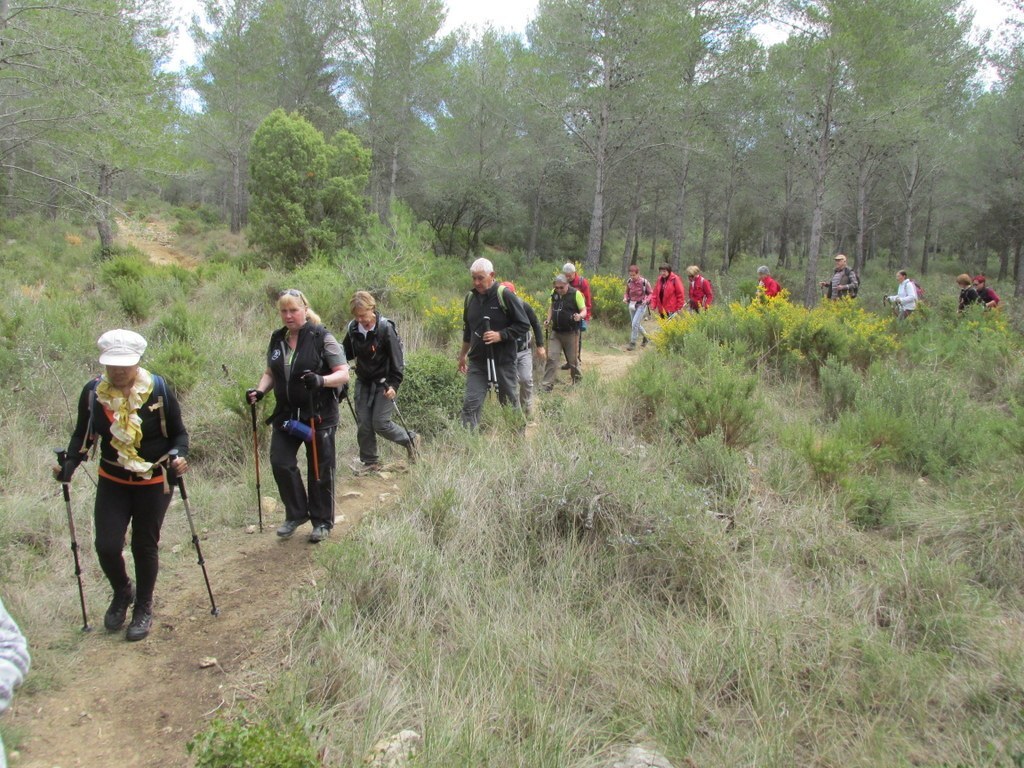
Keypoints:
(654, 231)
(594, 239)
(726, 230)
(911, 177)
(1018, 289)
(679, 221)
(822, 157)
(784, 228)
(704, 236)
(632, 238)
(535, 221)
(103, 225)
(1004, 258)
(860, 255)
(236, 193)
(927, 235)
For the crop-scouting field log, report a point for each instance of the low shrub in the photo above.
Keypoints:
(443, 321)
(254, 743)
(179, 363)
(135, 299)
(431, 393)
(839, 387)
(691, 401)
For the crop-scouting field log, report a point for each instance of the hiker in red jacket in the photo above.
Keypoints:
(988, 297)
(701, 294)
(669, 296)
(771, 286)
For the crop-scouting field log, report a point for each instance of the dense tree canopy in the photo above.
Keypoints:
(612, 131)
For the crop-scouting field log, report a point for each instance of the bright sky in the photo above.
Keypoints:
(514, 15)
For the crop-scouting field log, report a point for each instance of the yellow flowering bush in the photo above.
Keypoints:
(774, 330)
(606, 293)
(442, 321)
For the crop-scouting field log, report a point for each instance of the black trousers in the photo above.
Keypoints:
(144, 506)
(318, 503)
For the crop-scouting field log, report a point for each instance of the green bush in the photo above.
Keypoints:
(692, 401)
(179, 363)
(839, 386)
(135, 298)
(179, 323)
(431, 393)
(870, 502)
(129, 266)
(247, 743)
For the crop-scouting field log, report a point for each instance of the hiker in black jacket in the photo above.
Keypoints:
(372, 341)
(305, 368)
(493, 321)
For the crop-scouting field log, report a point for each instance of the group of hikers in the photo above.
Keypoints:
(133, 417)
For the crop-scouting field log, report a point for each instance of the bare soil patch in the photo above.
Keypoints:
(155, 238)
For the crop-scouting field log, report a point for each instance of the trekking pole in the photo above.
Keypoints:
(62, 457)
(492, 369)
(345, 397)
(256, 456)
(312, 429)
(214, 611)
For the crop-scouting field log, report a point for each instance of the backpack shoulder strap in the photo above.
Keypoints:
(501, 298)
(160, 390)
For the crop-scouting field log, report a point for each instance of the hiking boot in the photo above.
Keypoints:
(367, 469)
(320, 532)
(114, 618)
(644, 342)
(566, 366)
(413, 446)
(631, 346)
(142, 622)
(288, 527)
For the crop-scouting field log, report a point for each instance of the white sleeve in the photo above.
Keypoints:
(14, 659)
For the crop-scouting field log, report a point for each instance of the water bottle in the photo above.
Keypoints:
(298, 429)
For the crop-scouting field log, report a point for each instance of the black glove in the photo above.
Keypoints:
(67, 469)
(250, 392)
(312, 380)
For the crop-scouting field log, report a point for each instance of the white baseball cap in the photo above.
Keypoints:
(120, 347)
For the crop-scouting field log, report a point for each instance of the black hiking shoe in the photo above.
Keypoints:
(644, 342)
(114, 618)
(142, 622)
(320, 532)
(631, 346)
(287, 528)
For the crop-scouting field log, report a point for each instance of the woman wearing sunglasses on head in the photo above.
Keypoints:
(305, 368)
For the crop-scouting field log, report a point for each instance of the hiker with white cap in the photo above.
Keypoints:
(135, 419)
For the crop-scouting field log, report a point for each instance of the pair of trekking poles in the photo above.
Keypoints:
(177, 480)
(312, 427)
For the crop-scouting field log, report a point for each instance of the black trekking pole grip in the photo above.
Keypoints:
(62, 457)
(177, 480)
(256, 457)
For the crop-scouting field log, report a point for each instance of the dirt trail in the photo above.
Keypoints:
(137, 704)
(155, 238)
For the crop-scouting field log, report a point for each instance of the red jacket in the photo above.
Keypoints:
(580, 284)
(669, 295)
(701, 294)
(771, 287)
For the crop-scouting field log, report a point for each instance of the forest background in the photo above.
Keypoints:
(791, 535)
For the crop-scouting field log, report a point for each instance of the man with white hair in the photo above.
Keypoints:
(493, 320)
(581, 284)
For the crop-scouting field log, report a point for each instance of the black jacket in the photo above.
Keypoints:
(562, 310)
(378, 354)
(510, 321)
(316, 350)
